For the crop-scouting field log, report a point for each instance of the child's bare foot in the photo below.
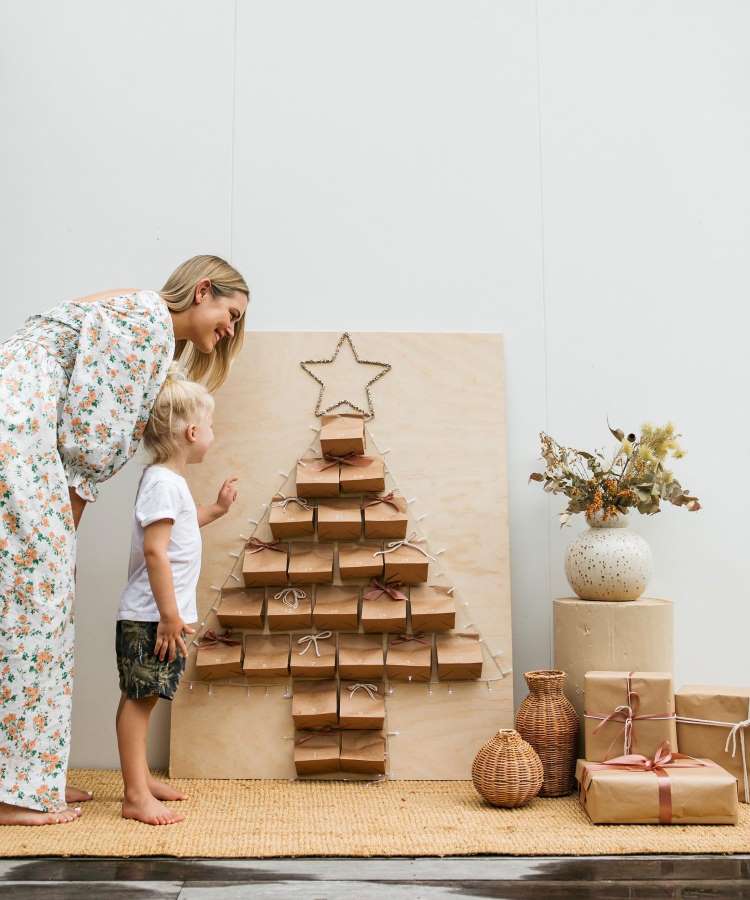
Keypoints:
(163, 791)
(149, 810)
(20, 815)
(76, 795)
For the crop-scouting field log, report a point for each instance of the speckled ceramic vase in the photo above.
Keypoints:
(608, 561)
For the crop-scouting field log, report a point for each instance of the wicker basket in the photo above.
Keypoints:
(548, 721)
(506, 771)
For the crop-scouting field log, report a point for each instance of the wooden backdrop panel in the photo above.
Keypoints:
(441, 412)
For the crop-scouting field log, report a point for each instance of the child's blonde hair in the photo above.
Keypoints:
(180, 402)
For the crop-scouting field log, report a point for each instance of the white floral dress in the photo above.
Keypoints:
(76, 388)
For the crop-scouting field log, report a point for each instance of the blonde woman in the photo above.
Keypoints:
(77, 385)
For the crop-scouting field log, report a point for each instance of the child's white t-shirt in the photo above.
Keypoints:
(163, 494)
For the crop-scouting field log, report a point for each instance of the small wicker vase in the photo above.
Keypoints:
(506, 771)
(548, 721)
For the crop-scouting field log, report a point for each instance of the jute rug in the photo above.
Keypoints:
(400, 818)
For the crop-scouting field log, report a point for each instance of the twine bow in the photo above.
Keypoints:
(736, 732)
(369, 689)
(389, 498)
(211, 639)
(312, 640)
(283, 502)
(259, 545)
(411, 541)
(296, 594)
(346, 459)
(378, 588)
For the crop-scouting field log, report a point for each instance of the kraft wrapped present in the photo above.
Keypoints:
(385, 516)
(343, 433)
(317, 477)
(339, 520)
(459, 657)
(362, 752)
(361, 656)
(432, 608)
(218, 656)
(291, 517)
(316, 752)
(358, 477)
(666, 789)
(314, 655)
(713, 722)
(289, 608)
(627, 712)
(407, 561)
(310, 563)
(360, 561)
(336, 607)
(384, 607)
(266, 656)
(315, 704)
(264, 563)
(241, 608)
(409, 657)
(361, 705)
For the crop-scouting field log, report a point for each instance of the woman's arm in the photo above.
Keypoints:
(77, 504)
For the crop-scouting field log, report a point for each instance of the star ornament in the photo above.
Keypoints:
(347, 376)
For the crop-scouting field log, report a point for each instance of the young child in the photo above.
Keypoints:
(159, 598)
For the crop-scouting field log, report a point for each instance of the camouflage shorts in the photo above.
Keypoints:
(142, 673)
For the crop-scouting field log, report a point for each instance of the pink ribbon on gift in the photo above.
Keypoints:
(378, 588)
(389, 498)
(346, 459)
(212, 639)
(259, 545)
(408, 638)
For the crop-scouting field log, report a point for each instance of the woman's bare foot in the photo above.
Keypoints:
(163, 791)
(20, 815)
(149, 810)
(77, 795)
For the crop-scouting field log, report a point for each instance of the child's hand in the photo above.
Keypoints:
(227, 494)
(169, 638)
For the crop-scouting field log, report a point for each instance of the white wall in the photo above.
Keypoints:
(572, 174)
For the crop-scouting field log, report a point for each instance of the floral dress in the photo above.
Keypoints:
(76, 388)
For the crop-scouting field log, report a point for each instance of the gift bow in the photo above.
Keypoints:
(736, 730)
(408, 638)
(312, 640)
(285, 501)
(378, 588)
(259, 545)
(346, 459)
(296, 594)
(412, 541)
(370, 689)
(389, 498)
(211, 639)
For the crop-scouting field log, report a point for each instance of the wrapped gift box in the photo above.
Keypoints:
(310, 563)
(266, 656)
(361, 656)
(315, 704)
(265, 563)
(241, 608)
(684, 792)
(362, 752)
(384, 607)
(713, 722)
(385, 516)
(459, 657)
(314, 655)
(291, 517)
(628, 712)
(409, 657)
(360, 561)
(289, 608)
(361, 705)
(406, 563)
(317, 477)
(341, 434)
(355, 478)
(339, 520)
(336, 607)
(218, 656)
(316, 752)
(432, 608)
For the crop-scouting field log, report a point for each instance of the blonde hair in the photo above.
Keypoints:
(179, 292)
(181, 402)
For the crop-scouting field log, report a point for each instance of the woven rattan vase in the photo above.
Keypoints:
(548, 721)
(506, 771)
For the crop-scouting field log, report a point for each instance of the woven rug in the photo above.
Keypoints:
(400, 818)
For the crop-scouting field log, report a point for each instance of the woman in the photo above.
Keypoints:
(76, 388)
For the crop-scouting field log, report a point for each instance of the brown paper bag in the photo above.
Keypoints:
(361, 705)
(361, 656)
(432, 608)
(314, 655)
(385, 516)
(404, 563)
(409, 657)
(701, 795)
(335, 607)
(218, 656)
(358, 479)
(459, 657)
(339, 520)
(310, 563)
(315, 704)
(241, 608)
(266, 656)
(289, 608)
(727, 740)
(317, 478)
(362, 752)
(650, 696)
(342, 433)
(359, 561)
(384, 607)
(291, 517)
(264, 563)
(316, 752)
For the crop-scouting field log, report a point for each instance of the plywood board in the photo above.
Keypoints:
(440, 415)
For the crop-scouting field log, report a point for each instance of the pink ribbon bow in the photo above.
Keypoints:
(378, 588)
